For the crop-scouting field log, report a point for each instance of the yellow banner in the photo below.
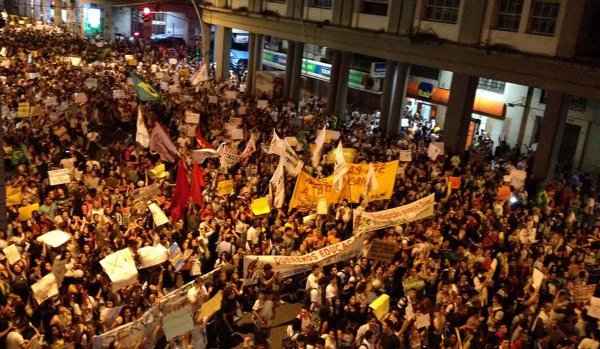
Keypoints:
(356, 181)
(309, 190)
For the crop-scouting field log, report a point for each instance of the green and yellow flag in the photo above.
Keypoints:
(145, 92)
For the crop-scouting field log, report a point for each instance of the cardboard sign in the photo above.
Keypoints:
(159, 171)
(191, 118)
(54, 238)
(178, 323)
(260, 206)
(91, 83)
(120, 268)
(538, 278)
(593, 309)
(435, 149)
(381, 250)
(75, 61)
(225, 188)
(58, 177)
(405, 156)
(51, 101)
(172, 61)
(211, 306)
(118, 94)
(231, 95)
(12, 254)
(262, 104)
(583, 293)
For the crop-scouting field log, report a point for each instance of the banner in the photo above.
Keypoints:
(371, 221)
(120, 268)
(150, 256)
(178, 323)
(45, 288)
(309, 190)
(54, 238)
(288, 266)
(356, 181)
(57, 177)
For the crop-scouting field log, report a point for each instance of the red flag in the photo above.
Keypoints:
(181, 195)
(197, 185)
(202, 142)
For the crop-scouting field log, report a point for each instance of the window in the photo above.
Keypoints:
(492, 85)
(509, 15)
(374, 7)
(159, 29)
(445, 11)
(543, 16)
(320, 3)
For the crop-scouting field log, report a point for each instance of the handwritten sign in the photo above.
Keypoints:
(57, 177)
(191, 118)
(54, 238)
(12, 254)
(381, 250)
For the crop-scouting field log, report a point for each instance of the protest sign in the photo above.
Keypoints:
(14, 196)
(288, 266)
(213, 99)
(54, 238)
(593, 309)
(68, 163)
(435, 149)
(120, 268)
(141, 196)
(51, 101)
(582, 293)
(24, 110)
(538, 277)
(228, 156)
(381, 250)
(371, 221)
(309, 190)
(80, 98)
(260, 206)
(225, 187)
(58, 177)
(211, 306)
(45, 288)
(322, 206)
(405, 156)
(262, 104)
(178, 323)
(380, 306)
(118, 94)
(422, 320)
(159, 171)
(231, 95)
(25, 212)
(75, 61)
(158, 215)
(172, 61)
(199, 155)
(517, 178)
(150, 256)
(192, 118)
(91, 83)
(349, 155)
(176, 257)
(455, 182)
(503, 193)
(12, 254)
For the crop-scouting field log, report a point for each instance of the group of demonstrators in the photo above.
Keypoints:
(150, 207)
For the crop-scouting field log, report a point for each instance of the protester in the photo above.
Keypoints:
(484, 270)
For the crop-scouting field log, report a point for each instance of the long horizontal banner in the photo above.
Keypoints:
(371, 221)
(288, 266)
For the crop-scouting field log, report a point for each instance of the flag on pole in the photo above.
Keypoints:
(200, 75)
(197, 185)
(276, 195)
(340, 168)
(162, 144)
(250, 147)
(181, 195)
(145, 92)
(319, 142)
(141, 135)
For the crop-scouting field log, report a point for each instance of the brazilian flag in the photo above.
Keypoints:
(145, 92)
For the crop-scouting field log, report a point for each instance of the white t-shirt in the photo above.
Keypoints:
(265, 310)
(312, 281)
(331, 292)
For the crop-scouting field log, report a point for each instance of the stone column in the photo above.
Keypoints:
(255, 46)
(458, 115)
(398, 98)
(222, 51)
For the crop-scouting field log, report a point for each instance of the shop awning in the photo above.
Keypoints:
(482, 105)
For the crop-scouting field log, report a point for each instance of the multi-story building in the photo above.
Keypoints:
(522, 70)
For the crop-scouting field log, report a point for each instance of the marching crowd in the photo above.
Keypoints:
(482, 272)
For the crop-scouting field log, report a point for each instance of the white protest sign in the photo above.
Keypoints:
(191, 118)
(231, 95)
(538, 278)
(158, 215)
(213, 99)
(152, 255)
(178, 323)
(45, 288)
(435, 149)
(91, 83)
(118, 94)
(62, 176)
(80, 98)
(120, 268)
(262, 104)
(51, 101)
(172, 61)
(54, 238)
(3, 52)
(12, 254)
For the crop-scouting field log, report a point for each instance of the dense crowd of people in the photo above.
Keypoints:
(463, 278)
